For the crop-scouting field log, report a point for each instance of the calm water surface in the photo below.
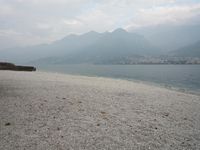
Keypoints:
(182, 77)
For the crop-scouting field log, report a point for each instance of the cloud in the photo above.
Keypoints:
(164, 15)
(10, 37)
(48, 20)
(5, 10)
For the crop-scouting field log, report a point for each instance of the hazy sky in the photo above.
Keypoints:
(24, 22)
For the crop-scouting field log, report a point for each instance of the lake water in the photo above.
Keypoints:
(182, 77)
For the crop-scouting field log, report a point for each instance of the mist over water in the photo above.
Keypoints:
(182, 77)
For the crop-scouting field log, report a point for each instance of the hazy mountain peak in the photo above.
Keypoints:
(91, 33)
(119, 30)
(70, 36)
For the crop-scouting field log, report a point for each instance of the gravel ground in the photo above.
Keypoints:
(49, 111)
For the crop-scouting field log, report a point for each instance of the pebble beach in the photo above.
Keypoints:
(40, 111)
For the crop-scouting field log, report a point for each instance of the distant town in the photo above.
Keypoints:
(155, 60)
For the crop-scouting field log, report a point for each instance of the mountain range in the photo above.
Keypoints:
(109, 47)
(91, 47)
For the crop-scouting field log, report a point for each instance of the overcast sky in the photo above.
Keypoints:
(24, 22)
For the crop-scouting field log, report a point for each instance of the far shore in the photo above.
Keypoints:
(41, 110)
